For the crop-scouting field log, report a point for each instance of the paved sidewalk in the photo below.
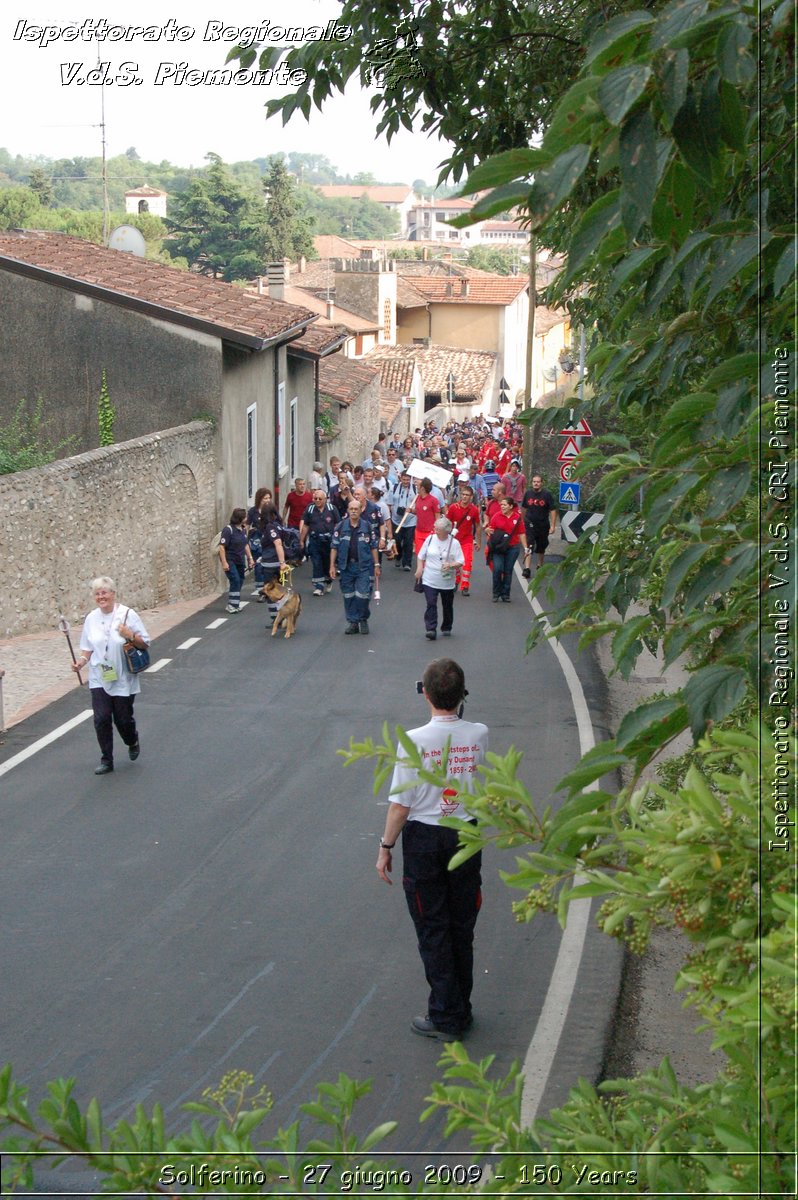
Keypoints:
(37, 666)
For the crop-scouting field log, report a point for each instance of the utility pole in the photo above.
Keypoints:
(106, 215)
(530, 432)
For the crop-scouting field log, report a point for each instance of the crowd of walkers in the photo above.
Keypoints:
(349, 518)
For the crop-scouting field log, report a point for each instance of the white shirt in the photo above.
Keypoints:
(103, 641)
(468, 745)
(437, 556)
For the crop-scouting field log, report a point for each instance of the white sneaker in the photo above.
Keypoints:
(318, 591)
(230, 609)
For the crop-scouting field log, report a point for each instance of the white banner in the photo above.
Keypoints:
(420, 468)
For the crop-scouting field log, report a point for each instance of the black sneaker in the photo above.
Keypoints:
(364, 626)
(430, 635)
(425, 1028)
(104, 768)
(352, 627)
(134, 751)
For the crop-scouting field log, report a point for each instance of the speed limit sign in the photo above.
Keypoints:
(566, 471)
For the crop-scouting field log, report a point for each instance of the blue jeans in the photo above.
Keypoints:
(235, 576)
(356, 584)
(503, 570)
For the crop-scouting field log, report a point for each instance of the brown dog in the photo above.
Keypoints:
(289, 605)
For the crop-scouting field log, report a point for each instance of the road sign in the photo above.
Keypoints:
(569, 493)
(567, 470)
(580, 524)
(581, 429)
(569, 450)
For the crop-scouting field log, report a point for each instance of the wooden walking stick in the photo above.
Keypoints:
(63, 625)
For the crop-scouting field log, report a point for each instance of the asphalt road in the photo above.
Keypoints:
(215, 905)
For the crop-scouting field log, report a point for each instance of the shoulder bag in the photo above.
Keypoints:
(136, 659)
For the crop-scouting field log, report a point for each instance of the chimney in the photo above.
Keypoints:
(463, 287)
(330, 311)
(277, 275)
(303, 262)
(448, 289)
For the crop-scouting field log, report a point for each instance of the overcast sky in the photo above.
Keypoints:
(48, 112)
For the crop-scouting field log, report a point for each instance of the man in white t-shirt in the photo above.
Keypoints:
(443, 904)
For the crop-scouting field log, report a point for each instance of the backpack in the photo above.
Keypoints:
(216, 544)
(291, 547)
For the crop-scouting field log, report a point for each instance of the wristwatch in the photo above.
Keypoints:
(386, 845)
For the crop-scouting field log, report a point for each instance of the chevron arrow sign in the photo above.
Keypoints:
(580, 524)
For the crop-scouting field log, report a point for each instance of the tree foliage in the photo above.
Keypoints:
(288, 232)
(218, 226)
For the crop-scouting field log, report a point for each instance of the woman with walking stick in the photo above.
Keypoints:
(113, 687)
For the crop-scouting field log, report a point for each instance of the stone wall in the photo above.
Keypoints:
(143, 512)
(358, 424)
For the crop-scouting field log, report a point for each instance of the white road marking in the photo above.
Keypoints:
(215, 624)
(551, 1022)
(44, 741)
(189, 643)
(156, 666)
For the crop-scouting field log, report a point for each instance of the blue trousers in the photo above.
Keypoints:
(235, 575)
(356, 584)
(319, 551)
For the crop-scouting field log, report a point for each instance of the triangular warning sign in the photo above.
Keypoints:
(569, 450)
(581, 429)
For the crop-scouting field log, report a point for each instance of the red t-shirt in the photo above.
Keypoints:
(296, 506)
(427, 509)
(514, 524)
(464, 520)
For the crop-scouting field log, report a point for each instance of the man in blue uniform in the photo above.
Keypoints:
(354, 557)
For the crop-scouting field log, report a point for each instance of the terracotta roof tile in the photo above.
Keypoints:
(166, 292)
(547, 318)
(471, 368)
(396, 371)
(390, 405)
(475, 289)
(316, 304)
(329, 245)
(382, 193)
(343, 379)
(319, 340)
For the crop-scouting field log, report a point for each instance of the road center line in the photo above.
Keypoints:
(156, 666)
(540, 1056)
(189, 643)
(215, 624)
(35, 747)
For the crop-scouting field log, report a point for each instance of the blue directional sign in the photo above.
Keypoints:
(569, 493)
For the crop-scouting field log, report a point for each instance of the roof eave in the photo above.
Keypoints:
(298, 351)
(149, 309)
